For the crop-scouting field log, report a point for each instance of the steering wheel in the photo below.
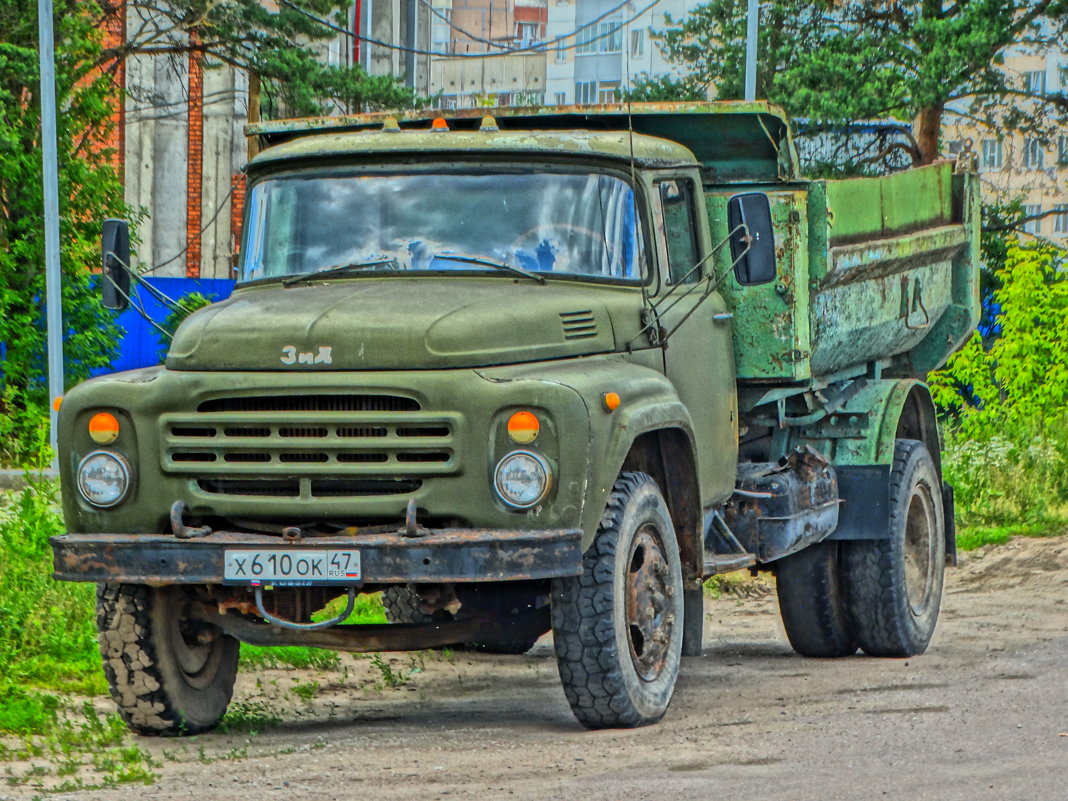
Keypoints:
(540, 230)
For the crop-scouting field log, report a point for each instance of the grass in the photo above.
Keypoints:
(968, 539)
(47, 628)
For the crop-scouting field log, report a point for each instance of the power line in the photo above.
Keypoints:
(442, 54)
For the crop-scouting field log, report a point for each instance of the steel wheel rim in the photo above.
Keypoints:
(650, 617)
(920, 549)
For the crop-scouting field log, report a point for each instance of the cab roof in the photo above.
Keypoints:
(645, 150)
(732, 141)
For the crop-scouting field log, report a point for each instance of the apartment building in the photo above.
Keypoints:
(613, 45)
(1014, 165)
(548, 52)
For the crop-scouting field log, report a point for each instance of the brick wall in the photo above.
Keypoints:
(237, 212)
(194, 166)
(114, 27)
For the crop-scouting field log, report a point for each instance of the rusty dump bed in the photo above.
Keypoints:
(870, 270)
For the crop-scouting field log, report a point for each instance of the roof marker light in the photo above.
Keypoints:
(439, 124)
(390, 125)
(488, 124)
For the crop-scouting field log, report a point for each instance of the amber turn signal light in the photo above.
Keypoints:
(104, 428)
(611, 401)
(523, 427)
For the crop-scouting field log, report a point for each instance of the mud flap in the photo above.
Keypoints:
(865, 509)
(948, 512)
(693, 620)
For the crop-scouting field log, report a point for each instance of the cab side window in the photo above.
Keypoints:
(678, 230)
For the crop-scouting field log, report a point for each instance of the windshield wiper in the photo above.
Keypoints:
(341, 269)
(500, 265)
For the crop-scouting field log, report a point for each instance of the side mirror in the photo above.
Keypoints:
(115, 259)
(753, 243)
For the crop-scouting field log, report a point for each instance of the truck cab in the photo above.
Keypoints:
(531, 370)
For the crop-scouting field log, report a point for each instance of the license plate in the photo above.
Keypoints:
(292, 566)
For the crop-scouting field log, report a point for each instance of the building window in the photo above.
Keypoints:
(609, 92)
(604, 37)
(586, 41)
(1032, 226)
(1034, 155)
(637, 43)
(1035, 82)
(561, 98)
(991, 154)
(526, 31)
(561, 55)
(586, 91)
(611, 37)
(1062, 150)
(1060, 220)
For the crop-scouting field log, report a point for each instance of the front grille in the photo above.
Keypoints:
(311, 403)
(307, 446)
(319, 488)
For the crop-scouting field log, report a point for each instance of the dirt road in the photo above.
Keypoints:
(983, 715)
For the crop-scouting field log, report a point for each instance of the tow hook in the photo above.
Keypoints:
(180, 529)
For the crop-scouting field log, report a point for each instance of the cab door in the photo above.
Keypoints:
(698, 357)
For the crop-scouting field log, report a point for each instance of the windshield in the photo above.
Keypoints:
(550, 223)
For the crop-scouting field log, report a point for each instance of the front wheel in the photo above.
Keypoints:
(893, 588)
(168, 673)
(618, 627)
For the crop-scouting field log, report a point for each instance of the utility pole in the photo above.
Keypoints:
(50, 179)
(751, 50)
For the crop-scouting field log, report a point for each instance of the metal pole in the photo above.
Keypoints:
(50, 178)
(751, 50)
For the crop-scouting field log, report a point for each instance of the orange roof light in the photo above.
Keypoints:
(523, 427)
(104, 428)
(611, 401)
(439, 124)
(57, 402)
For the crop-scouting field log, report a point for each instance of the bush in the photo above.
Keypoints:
(1006, 424)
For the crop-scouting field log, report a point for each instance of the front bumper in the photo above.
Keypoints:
(435, 556)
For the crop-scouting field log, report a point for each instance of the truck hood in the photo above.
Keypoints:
(394, 323)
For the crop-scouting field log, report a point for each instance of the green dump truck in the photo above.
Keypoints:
(548, 369)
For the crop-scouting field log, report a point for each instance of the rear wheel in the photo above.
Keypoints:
(894, 586)
(169, 674)
(811, 604)
(618, 627)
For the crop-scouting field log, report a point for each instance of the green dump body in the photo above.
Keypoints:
(871, 269)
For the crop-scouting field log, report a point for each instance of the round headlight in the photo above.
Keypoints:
(522, 479)
(103, 478)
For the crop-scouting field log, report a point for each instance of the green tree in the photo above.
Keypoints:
(838, 61)
(89, 190)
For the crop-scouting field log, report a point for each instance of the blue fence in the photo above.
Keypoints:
(142, 343)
